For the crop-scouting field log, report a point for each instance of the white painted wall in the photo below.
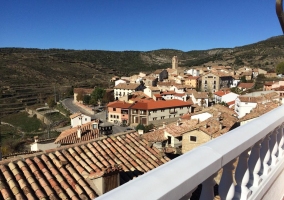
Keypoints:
(202, 116)
(118, 82)
(229, 97)
(242, 108)
(76, 121)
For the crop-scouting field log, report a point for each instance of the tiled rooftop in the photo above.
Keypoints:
(127, 86)
(259, 110)
(65, 173)
(69, 136)
(119, 104)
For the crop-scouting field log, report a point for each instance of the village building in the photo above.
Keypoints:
(84, 132)
(199, 98)
(150, 91)
(119, 112)
(236, 81)
(78, 119)
(178, 88)
(195, 72)
(124, 89)
(257, 71)
(169, 137)
(191, 82)
(161, 74)
(207, 130)
(82, 92)
(150, 81)
(117, 82)
(259, 110)
(245, 103)
(224, 96)
(157, 112)
(246, 86)
(213, 81)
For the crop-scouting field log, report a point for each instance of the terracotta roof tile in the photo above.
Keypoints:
(259, 110)
(69, 136)
(63, 174)
(127, 86)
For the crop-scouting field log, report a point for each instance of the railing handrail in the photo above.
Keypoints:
(176, 178)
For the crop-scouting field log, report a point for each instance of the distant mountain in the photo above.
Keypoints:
(95, 67)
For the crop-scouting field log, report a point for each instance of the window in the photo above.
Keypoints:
(110, 116)
(163, 117)
(114, 109)
(154, 118)
(163, 110)
(192, 138)
(85, 119)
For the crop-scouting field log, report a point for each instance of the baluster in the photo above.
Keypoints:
(254, 164)
(265, 155)
(273, 146)
(207, 191)
(281, 141)
(242, 177)
(226, 186)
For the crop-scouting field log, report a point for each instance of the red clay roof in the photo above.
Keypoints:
(64, 173)
(119, 104)
(221, 93)
(160, 104)
(69, 136)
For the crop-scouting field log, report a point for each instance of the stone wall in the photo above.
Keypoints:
(188, 145)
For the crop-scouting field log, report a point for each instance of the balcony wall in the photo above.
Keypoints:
(251, 157)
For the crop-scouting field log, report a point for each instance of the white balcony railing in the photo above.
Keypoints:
(258, 174)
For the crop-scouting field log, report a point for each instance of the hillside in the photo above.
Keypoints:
(36, 72)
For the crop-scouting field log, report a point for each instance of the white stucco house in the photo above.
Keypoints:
(224, 96)
(78, 119)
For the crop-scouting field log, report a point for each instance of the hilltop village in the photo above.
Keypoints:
(166, 114)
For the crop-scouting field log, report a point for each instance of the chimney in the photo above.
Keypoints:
(164, 125)
(79, 132)
(140, 132)
(108, 176)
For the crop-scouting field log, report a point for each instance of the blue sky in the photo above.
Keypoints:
(136, 24)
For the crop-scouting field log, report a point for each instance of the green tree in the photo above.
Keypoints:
(243, 79)
(86, 99)
(149, 127)
(97, 95)
(280, 68)
(140, 127)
